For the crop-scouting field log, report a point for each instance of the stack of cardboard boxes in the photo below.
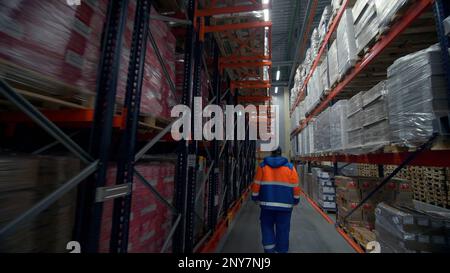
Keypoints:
(26, 180)
(67, 67)
(407, 230)
(351, 190)
(151, 219)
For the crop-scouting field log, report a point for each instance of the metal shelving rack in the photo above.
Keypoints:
(417, 8)
(238, 156)
(422, 156)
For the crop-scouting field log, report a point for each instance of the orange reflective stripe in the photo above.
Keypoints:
(281, 174)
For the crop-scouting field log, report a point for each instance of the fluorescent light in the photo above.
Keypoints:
(265, 1)
(276, 90)
(278, 75)
(266, 15)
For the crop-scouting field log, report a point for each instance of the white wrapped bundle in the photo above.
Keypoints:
(366, 23)
(387, 9)
(346, 43)
(413, 114)
(338, 123)
(333, 67)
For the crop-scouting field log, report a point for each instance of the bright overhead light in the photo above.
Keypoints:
(265, 1)
(266, 15)
(276, 90)
(278, 75)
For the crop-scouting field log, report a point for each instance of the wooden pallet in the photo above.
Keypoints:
(49, 92)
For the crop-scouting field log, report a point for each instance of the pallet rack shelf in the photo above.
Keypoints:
(380, 48)
(417, 8)
(237, 157)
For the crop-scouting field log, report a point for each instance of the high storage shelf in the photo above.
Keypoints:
(378, 56)
(231, 162)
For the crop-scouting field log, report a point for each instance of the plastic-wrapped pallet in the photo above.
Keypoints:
(447, 26)
(323, 67)
(327, 191)
(315, 90)
(414, 115)
(346, 44)
(312, 148)
(335, 5)
(354, 114)
(333, 68)
(375, 119)
(314, 44)
(387, 9)
(354, 123)
(54, 48)
(299, 144)
(366, 23)
(314, 187)
(295, 118)
(302, 110)
(322, 132)
(403, 230)
(317, 136)
(338, 123)
(323, 24)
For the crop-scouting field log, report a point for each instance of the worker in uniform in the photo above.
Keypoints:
(276, 189)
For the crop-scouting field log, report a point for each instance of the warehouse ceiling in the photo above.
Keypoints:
(288, 17)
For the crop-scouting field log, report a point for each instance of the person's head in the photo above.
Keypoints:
(277, 152)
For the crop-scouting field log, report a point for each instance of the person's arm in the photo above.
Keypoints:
(256, 184)
(296, 189)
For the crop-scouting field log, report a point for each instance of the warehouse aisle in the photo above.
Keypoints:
(309, 232)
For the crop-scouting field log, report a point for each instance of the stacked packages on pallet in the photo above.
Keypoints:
(157, 98)
(327, 191)
(414, 116)
(50, 39)
(355, 122)
(323, 24)
(315, 90)
(346, 44)
(376, 133)
(351, 190)
(151, 219)
(333, 68)
(26, 180)
(406, 230)
(67, 66)
(387, 9)
(366, 23)
(338, 123)
(322, 132)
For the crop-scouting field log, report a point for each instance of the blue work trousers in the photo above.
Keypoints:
(275, 227)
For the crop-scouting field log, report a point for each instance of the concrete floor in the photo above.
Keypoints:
(309, 232)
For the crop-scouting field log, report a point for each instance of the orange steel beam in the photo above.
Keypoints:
(254, 98)
(247, 64)
(249, 25)
(255, 86)
(78, 116)
(249, 82)
(232, 9)
(236, 58)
